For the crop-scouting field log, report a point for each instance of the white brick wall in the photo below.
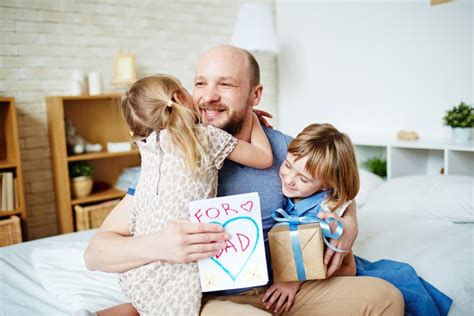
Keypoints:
(42, 41)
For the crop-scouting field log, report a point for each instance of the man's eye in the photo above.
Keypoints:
(226, 84)
(198, 83)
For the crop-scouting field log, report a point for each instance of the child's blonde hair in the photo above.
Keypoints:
(150, 105)
(331, 159)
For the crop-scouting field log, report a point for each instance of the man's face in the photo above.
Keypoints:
(222, 93)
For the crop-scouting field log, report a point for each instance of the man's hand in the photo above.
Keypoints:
(280, 296)
(262, 117)
(182, 241)
(345, 242)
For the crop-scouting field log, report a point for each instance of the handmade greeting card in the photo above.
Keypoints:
(242, 263)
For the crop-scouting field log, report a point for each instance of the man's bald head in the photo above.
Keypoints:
(226, 88)
(239, 56)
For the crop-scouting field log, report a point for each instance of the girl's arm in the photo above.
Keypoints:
(256, 154)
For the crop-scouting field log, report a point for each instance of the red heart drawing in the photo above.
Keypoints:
(247, 206)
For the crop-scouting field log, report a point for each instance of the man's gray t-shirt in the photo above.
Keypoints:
(237, 179)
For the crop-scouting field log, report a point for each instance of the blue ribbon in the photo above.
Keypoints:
(293, 221)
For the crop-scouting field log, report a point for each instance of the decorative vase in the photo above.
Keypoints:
(461, 135)
(81, 186)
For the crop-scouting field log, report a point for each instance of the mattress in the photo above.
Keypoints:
(21, 292)
(409, 220)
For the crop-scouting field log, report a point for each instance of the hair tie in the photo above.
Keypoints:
(170, 103)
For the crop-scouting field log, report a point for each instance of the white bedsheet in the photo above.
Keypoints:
(63, 272)
(21, 292)
(441, 252)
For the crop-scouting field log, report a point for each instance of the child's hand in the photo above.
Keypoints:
(281, 295)
(326, 216)
(346, 241)
(262, 115)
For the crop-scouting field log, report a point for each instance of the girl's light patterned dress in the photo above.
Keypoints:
(165, 188)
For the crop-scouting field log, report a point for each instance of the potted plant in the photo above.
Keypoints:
(376, 165)
(80, 176)
(461, 120)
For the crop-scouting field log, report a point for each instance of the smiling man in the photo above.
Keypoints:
(227, 87)
(223, 97)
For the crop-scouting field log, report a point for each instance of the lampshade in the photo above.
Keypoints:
(254, 29)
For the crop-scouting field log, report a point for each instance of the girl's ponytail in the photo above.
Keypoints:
(185, 134)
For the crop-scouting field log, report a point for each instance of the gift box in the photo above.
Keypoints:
(310, 240)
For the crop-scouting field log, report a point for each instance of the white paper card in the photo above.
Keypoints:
(243, 263)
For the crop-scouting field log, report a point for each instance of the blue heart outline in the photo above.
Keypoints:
(253, 250)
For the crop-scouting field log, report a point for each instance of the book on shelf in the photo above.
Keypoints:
(126, 178)
(8, 192)
(15, 189)
(119, 147)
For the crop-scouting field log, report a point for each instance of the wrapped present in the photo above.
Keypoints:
(297, 246)
(310, 242)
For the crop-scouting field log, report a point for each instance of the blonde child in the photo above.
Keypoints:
(180, 163)
(319, 173)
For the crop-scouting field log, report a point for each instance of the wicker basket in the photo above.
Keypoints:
(92, 216)
(81, 186)
(10, 231)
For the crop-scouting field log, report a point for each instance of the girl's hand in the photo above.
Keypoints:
(262, 117)
(281, 296)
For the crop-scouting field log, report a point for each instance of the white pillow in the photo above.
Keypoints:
(449, 198)
(368, 183)
(62, 272)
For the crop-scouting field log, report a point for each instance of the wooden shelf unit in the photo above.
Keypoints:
(99, 120)
(108, 194)
(10, 160)
(102, 155)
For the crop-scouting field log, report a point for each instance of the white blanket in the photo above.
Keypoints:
(410, 219)
(21, 291)
(440, 251)
(62, 272)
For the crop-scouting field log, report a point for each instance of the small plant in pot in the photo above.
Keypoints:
(461, 119)
(80, 174)
(377, 165)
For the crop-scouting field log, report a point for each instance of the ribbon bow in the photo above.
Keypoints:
(293, 221)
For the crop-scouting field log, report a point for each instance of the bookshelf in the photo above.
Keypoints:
(10, 160)
(99, 120)
(420, 157)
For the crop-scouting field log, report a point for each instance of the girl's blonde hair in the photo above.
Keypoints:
(331, 159)
(149, 105)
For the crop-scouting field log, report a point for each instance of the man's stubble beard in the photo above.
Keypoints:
(235, 122)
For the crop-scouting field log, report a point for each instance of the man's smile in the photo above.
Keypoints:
(211, 112)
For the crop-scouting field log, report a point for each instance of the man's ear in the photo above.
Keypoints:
(257, 95)
(177, 97)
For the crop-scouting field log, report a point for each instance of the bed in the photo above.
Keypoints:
(426, 221)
